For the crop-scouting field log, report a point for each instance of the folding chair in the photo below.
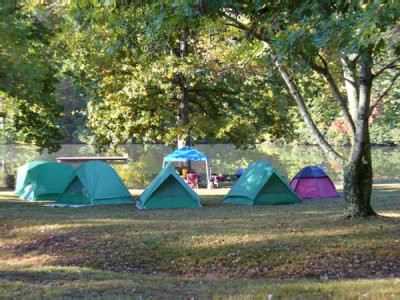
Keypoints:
(193, 180)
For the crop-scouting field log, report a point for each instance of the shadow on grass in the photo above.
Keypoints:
(338, 252)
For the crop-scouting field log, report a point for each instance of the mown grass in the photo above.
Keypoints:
(301, 251)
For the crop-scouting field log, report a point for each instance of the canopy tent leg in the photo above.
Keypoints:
(208, 176)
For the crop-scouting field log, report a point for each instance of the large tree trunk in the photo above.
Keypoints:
(357, 184)
(357, 173)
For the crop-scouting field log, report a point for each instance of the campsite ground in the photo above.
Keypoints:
(302, 251)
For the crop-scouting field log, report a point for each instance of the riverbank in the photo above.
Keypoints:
(145, 161)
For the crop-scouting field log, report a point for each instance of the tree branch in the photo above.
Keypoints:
(383, 69)
(241, 26)
(339, 97)
(334, 88)
(323, 61)
(233, 25)
(213, 90)
(351, 83)
(234, 20)
(384, 93)
(312, 64)
(326, 147)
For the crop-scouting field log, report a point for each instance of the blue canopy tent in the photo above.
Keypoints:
(186, 154)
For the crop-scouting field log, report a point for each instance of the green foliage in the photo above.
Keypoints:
(302, 33)
(69, 95)
(385, 127)
(124, 69)
(131, 65)
(27, 78)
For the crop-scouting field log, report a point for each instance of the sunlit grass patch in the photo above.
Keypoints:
(83, 282)
(391, 215)
(33, 260)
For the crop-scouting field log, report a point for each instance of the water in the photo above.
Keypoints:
(146, 160)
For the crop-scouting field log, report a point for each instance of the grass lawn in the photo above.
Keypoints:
(219, 251)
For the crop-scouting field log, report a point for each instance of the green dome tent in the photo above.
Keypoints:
(168, 190)
(46, 181)
(261, 184)
(94, 183)
(22, 175)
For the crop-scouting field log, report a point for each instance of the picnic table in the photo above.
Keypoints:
(79, 159)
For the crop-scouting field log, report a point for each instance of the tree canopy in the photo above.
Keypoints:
(139, 69)
(27, 77)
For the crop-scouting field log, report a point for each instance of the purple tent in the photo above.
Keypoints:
(313, 183)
